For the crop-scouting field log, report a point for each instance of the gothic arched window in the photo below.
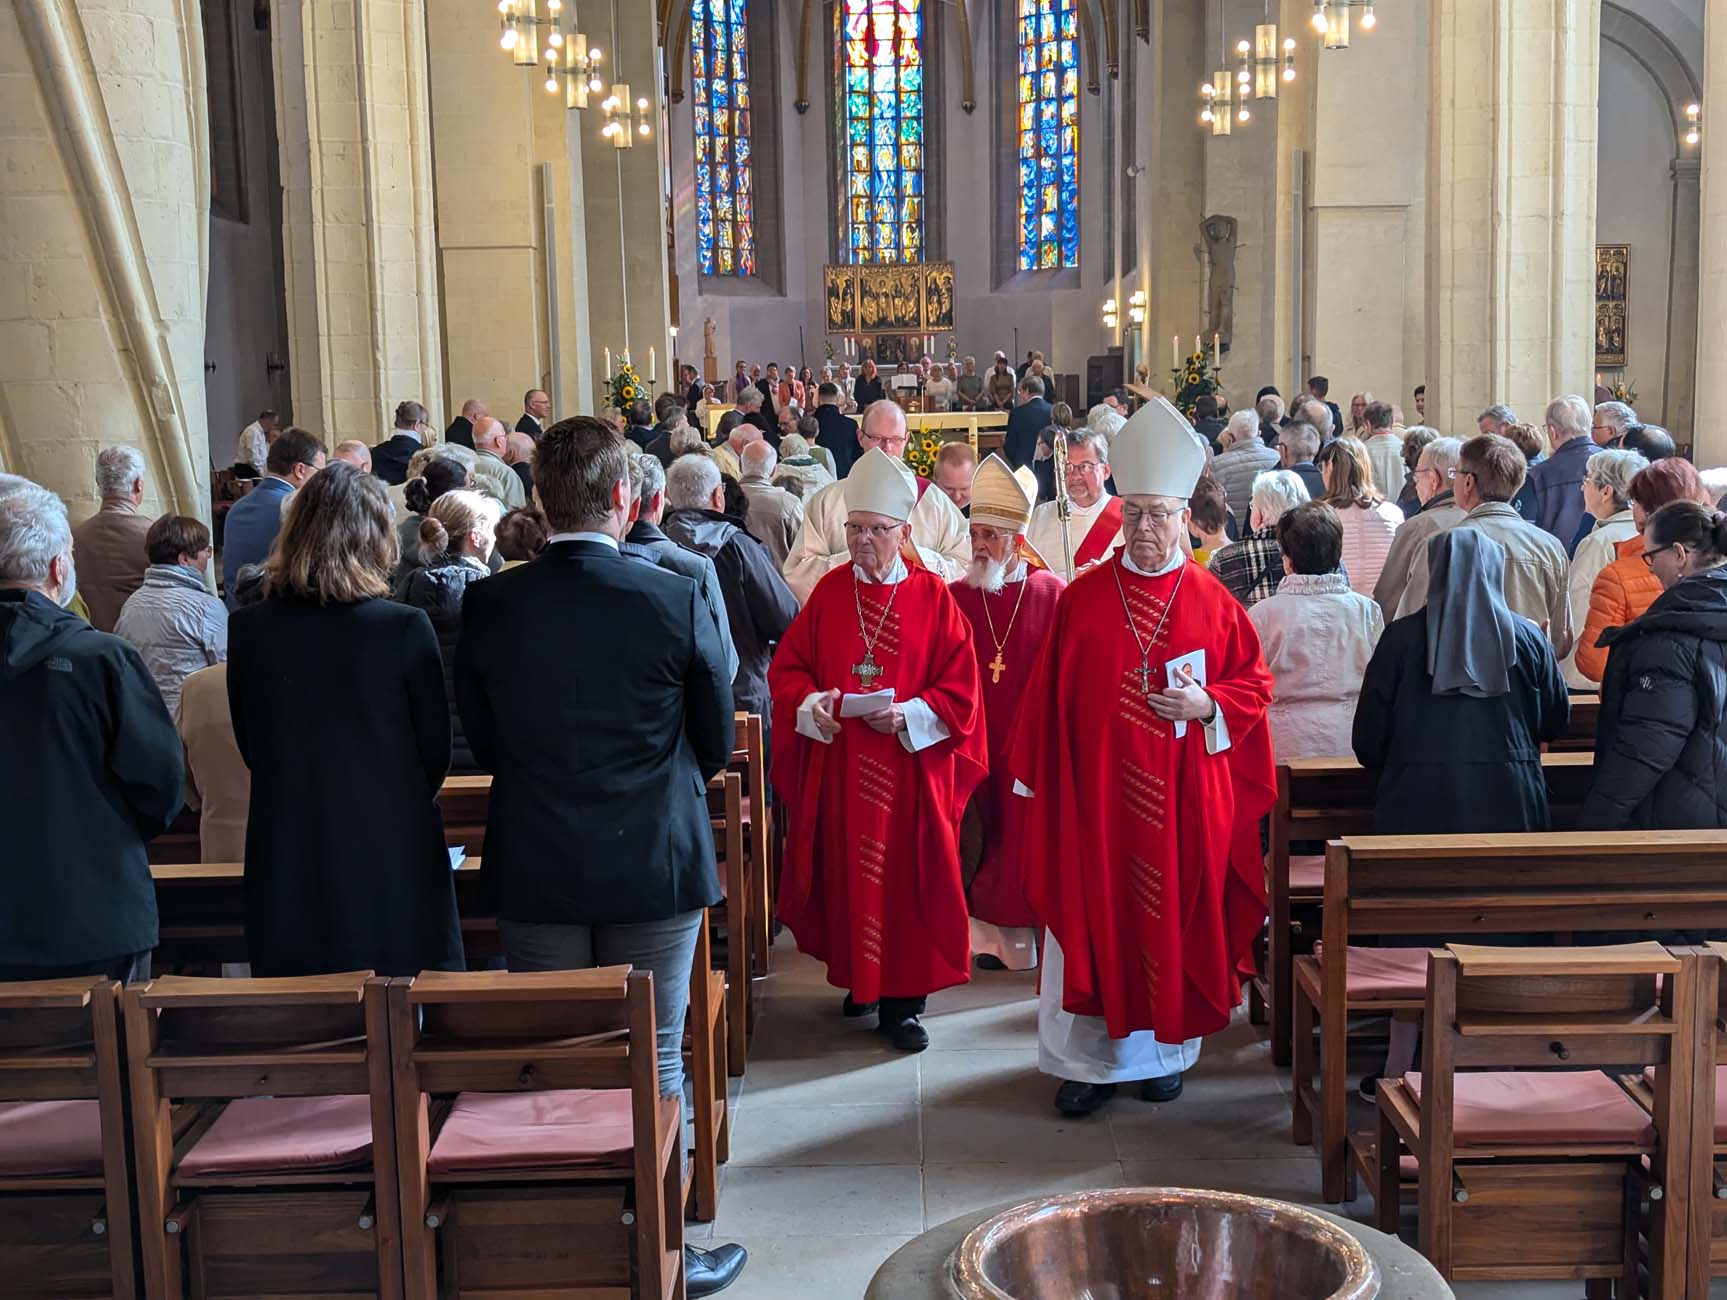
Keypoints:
(879, 80)
(1048, 135)
(725, 189)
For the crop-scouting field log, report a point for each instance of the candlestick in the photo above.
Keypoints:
(653, 370)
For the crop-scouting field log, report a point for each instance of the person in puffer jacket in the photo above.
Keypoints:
(1661, 743)
(456, 540)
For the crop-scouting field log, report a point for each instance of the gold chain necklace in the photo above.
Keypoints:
(996, 666)
(1143, 672)
(869, 670)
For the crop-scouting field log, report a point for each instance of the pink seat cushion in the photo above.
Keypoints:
(1307, 874)
(50, 1139)
(265, 1135)
(1387, 973)
(534, 1130)
(1542, 1108)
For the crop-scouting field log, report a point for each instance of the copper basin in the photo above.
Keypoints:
(1161, 1243)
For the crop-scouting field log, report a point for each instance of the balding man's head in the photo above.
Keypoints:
(883, 426)
(474, 410)
(759, 458)
(356, 453)
(490, 435)
(519, 449)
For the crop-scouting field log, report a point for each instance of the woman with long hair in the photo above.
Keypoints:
(1369, 520)
(337, 698)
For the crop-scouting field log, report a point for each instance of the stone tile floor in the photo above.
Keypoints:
(843, 1150)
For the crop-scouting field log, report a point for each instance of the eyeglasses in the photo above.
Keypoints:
(1132, 517)
(1086, 467)
(874, 532)
(1649, 556)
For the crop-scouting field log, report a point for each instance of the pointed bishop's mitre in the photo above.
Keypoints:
(998, 498)
(880, 485)
(1156, 454)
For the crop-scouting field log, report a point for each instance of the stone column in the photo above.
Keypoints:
(353, 122)
(104, 199)
(1711, 439)
(1510, 205)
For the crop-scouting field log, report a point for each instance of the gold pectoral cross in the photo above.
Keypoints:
(1143, 672)
(996, 668)
(868, 670)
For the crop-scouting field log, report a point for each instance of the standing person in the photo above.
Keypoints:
(646, 540)
(955, 467)
(1463, 675)
(1143, 749)
(1207, 422)
(1415, 438)
(1356, 426)
(174, 623)
(998, 385)
(1298, 444)
(868, 387)
(110, 543)
(799, 472)
(254, 520)
(218, 783)
(1270, 410)
(1370, 522)
(1010, 605)
(939, 390)
(461, 430)
(1435, 473)
(1244, 458)
(1421, 401)
(968, 387)
(1607, 499)
(536, 413)
(1028, 419)
(1319, 388)
(493, 474)
(775, 515)
(1384, 449)
(1558, 479)
(839, 432)
(1611, 422)
(1318, 637)
(871, 883)
(90, 772)
(255, 440)
(1251, 568)
(1664, 700)
(1208, 517)
(332, 885)
(390, 457)
(639, 430)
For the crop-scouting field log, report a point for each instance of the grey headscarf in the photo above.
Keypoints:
(1471, 640)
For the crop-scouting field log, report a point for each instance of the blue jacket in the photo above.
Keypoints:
(252, 524)
(1024, 423)
(1558, 483)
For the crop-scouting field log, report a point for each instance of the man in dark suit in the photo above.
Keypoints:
(769, 385)
(692, 387)
(750, 407)
(639, 430)
(839, 432)
(598, 844)
(1318, 387)
(390, 457)
(254, 520)
(1027, 419)
(536, 411)
(461, 430)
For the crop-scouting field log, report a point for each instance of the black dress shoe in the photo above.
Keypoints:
(989, 961)
(906, 1035)
(1076, 1099)
(708, 1272)
(1168, 1088)
(857, 1010)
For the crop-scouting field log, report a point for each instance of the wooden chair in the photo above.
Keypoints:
(732, 918)
(66, 1224)
(1706, 1254)
(277, 1177)
(705, 1058)
(1527, 1162)
(517, 1176)
(1462, 887)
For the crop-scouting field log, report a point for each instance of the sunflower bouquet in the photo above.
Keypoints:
(1197, 378)
(920, 453)
(625, 387)
(1625, 390)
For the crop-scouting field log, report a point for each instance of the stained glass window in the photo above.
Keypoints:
(880, 82)
(1048, 135)
(725, 190)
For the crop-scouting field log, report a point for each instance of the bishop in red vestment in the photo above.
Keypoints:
(1144, 748)
(1009, 599)
(874, 788)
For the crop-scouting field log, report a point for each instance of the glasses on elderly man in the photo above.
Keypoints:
(875, 531)
(1132, 517)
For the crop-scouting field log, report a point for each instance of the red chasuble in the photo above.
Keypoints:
(871, 883)
(1101, 535)
(1144, 849)
(998, 889)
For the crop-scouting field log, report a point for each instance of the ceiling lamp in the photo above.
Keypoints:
(1269, 63)
(570, 64)
(1337, 26)
(624, 121)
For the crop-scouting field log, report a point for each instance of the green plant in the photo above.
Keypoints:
(1194, 380)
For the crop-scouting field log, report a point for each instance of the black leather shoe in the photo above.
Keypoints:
(989, 961)
(857, 1010)
(1076, 1099)
(708, 1272)
(1167, 1088)
(906, 1035)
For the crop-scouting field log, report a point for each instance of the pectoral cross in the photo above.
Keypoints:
(1143, 672)
(996, 668)
(868, 670)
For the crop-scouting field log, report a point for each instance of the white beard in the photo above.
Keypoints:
(986, 575)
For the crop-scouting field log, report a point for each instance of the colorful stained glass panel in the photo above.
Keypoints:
(1048, 135)
(878, 53)
(725, 231)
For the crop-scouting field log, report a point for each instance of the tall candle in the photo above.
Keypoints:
(1175, 352)
(1217, 352)
(608, 363)
(653, 369)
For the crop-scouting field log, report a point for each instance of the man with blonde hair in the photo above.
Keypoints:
(111, 542)
(955, 464)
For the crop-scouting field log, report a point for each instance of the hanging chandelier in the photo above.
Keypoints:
(1331, 19)
(1260, 65)
(571, 64)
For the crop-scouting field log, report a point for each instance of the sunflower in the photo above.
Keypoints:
(629, 392)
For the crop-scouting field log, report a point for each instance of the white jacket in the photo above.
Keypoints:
(1317, 636)
(1385, 454)
(1594, 553)
(938, 530)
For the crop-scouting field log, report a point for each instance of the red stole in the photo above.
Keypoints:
(1101, 535)
(871, 883)
(998, 889)
(1144, 849)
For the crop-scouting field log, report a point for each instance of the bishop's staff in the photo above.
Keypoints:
(1063, 503)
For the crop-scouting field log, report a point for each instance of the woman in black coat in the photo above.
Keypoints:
(337, 697)
(1661, 742)
(866, 388)
(1456, 702)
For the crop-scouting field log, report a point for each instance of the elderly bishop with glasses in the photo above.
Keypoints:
(1143, 750)
(878, 742)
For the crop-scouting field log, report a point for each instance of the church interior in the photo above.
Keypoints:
(1439, 221)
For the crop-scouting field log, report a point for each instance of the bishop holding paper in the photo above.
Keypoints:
(878, 741)
(1145, 756)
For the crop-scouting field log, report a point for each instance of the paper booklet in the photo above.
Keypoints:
(1194, 662)
(856, 706)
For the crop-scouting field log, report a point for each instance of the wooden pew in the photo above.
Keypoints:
(181, 842)
(1706, 1253)
(750, 761)
(66, 1223)
(1464, 887)
(1326, 799)
(732, 918)
(556, 1212)
(1529, 1162)
(249, 1055)
(1579, 734)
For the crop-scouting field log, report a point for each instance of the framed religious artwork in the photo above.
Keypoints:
(937, 297)
(898, 298)
(840, 288)
(1612, 278)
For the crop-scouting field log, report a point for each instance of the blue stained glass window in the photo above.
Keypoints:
(1048, 135)
(725, 230)
(878, 53)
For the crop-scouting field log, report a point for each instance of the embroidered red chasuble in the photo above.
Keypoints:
(871, 883)
(1144, 848)
(998, 888)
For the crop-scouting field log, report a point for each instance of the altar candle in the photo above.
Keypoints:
(1175, 352)
(653, 370)
(608, 363)
(1217, 352)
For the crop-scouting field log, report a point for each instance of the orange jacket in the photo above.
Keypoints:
(1622, 592)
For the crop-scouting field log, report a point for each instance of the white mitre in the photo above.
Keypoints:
(880, 485)
(1156, 453)
(999, 497)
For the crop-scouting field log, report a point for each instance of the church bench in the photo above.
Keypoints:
(730, 921)
(1525, 1161)
(181, 842)
(1321, 799)
(536, 1155)
(1579, 734)
(1463, 887)
(66, 1218)
(750, 761)
(1706, 1254)
(264, 1141)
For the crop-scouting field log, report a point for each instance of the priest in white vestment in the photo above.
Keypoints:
(1094, 529)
